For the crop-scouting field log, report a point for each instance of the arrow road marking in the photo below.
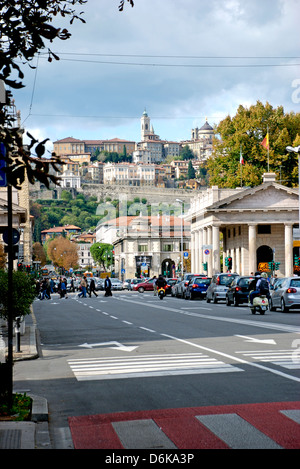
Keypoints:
(117, 346)
(260, 341)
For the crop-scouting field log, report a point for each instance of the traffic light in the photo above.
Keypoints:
(28, 268)
(296, 260)
(20, 266)
(277, 264)
(204, 266)
(229, 263)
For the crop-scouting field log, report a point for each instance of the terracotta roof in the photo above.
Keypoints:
(60, 229)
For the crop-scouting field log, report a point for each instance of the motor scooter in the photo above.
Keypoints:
(260, 304)
(161, 293)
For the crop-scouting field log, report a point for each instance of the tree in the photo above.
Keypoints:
(186, 153)
(3, 257)
(191, 172)
(243, 134)
(102, 253)
(21, 298)
(63, 253)
(38, 253)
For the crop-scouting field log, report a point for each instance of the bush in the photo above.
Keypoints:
(22, 296)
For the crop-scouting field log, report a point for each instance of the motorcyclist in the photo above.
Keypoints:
(160, 282)
(259, 286)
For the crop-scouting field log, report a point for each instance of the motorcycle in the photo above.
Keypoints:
(260, 304)
(161, 293)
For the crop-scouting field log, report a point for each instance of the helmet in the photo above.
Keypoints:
(264, 274)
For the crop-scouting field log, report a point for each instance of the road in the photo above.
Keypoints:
(132, 353)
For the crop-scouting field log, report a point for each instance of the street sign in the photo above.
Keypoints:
(185, 255)
(207, 251)
(3, 180)
(15, 236)
(122, 271)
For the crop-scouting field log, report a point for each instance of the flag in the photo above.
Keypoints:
(241, 157)
(265, 142)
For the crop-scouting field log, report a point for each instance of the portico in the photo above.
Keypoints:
(253, 226)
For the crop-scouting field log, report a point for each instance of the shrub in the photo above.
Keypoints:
(22, 295)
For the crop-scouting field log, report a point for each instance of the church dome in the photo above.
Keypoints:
(206, 127)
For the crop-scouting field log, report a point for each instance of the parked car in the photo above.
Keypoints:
(238, 290)
(286, 294)
(127, 284)
(218, 287)
(116, 284)
(99, 284)
(135, 281)
(197, 287)
(170, 283)
(182, 284)
(144, 286)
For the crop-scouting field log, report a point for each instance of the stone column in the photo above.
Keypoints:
(288, 254)
(195, 266)
(200, 254)
(193, 250)
(252, 267)
(209, 257)
(216, 267)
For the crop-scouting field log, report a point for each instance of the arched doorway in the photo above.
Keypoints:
(264, 254)
(167, 267)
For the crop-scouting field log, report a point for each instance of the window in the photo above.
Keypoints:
(263, 229)
(168, 247)
(143, 247)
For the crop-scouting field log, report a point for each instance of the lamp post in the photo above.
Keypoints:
(181, 203)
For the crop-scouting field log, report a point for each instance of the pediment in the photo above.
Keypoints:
(270, 196)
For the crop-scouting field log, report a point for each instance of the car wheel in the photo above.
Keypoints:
(215, 301)
(141, 289)
(228, 303)
(283, 308)
(271, 307)
(235, 301)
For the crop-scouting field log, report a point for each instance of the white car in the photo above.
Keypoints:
(116, 284)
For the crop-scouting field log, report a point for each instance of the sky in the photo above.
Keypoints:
(184, 61)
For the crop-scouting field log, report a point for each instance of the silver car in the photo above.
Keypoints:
(218, 287)
(286, 294)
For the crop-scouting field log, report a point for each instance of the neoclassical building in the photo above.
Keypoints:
(252, 226)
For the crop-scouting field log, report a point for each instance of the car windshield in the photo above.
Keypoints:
(171, 281)
(226, 279)
(244, 282)
(202, 281)
(295, 282)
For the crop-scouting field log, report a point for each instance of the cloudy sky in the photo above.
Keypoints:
(181, 60)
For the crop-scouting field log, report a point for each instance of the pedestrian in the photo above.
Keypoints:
(44, 290)
(107, 286)
(154, 285)
(92, 288)
(52, 285)
(83, 286)
(63, 289)
(72, 285)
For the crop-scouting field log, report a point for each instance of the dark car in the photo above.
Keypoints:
(170, 283)
(238, 290)
(197, 287)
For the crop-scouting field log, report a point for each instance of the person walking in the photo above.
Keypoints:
(63, 289)
(44, 290)
(92, 288)
(107, 286)
(83, 286)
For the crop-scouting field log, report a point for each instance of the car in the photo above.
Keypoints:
(135, 281)
(197, 287)
(170, 283)
(116, 284)
(99, 284)
(144, 286)
(218, 287)
(127, 284)
(238, 290)
(286, 294)
(182, 284)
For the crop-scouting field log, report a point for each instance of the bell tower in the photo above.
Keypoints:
(145, 126)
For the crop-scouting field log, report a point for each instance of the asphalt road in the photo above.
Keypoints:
(132, 352)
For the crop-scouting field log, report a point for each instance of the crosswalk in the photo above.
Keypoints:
(147, 365)
(288, 359)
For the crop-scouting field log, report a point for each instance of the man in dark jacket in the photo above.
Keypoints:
(92, 288)
(107, 286)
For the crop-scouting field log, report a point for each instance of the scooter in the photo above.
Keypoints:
(260, 304)
(161, 293)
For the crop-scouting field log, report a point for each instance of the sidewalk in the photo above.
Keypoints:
(35, 433)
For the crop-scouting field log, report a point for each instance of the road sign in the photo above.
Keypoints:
(122, 271)
(207, 251)
(3, 180)
(185, 255)
(15, 236)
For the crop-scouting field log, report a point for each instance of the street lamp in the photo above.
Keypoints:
(181, 202)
